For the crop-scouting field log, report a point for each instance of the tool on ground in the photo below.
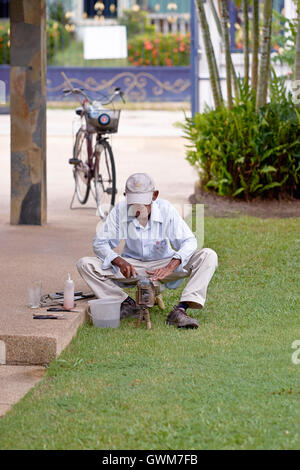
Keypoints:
(58, 309)
(48, 317)
(56, 299)
(60, 295)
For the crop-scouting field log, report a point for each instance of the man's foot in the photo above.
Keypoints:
(129, 308)
(178, 317)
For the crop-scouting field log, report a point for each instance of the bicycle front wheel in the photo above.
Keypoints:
(105, 179)
(82, 149)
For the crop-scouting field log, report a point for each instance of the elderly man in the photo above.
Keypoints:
(155, 242)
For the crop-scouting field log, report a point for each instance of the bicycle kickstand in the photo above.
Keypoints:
(71, 204)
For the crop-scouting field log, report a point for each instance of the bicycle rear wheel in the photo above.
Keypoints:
(82, 177)
(105, 179)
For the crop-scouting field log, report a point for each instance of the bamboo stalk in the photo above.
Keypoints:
(225, 29)
(246, 40)
(219, 28)
(297, 55)
(255, 44)
(210, 55)
(264, 70)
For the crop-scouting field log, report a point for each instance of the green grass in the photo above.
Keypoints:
(183, 106)
(230, 384)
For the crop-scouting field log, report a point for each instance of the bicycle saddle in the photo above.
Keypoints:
(78, 111)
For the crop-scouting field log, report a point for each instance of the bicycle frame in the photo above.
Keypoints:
(92, 151)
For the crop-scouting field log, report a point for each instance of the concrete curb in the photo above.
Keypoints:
(40, 349)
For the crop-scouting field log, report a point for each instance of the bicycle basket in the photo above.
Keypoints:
(103, 120)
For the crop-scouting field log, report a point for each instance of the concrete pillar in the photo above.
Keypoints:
(28, 111)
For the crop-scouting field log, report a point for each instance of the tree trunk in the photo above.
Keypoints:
(264, 70)
(219, 28)
(225, 30)
(255, 44)
(210, 55)
(246, 40)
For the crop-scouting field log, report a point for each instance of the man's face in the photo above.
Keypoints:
(141, 212)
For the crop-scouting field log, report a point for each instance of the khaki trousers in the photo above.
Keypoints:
(199, 270)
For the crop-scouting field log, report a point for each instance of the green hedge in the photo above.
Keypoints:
(242, 153)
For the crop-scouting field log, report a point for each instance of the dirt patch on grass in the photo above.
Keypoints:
(220, 206)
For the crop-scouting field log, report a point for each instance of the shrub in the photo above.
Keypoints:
(58, 38)
(4, 43)
(136, 22)
(284, 35)
(159, 49)
(241, 153)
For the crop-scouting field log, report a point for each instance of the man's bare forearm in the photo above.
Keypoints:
(174, 263)
(118, 261)
(126, 268)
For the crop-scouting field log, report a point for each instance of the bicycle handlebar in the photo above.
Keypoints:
(76, 91)
(117, 92)
(79, 91)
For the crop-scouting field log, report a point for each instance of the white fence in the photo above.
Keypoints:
(165, 23)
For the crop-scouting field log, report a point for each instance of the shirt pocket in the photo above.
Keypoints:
(156, 248)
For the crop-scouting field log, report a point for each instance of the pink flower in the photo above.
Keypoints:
(148, 45)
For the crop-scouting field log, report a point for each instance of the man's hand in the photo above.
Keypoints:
(162, 273)
(126, 268)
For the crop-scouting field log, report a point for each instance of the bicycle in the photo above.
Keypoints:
(94, 162)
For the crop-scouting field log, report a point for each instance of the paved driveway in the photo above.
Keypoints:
(147, 141)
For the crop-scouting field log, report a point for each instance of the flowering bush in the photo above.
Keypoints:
(4, 43)
(58, 37)
(159, 49)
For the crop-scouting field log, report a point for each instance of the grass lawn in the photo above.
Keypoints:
(230, 384)
(72, 55)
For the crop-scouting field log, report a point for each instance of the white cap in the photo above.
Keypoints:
(139, 189)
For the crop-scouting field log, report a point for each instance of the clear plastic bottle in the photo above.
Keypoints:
(69, 293)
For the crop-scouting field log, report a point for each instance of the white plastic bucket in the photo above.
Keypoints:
(105, 312)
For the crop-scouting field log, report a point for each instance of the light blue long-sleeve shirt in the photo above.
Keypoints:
(166, 235)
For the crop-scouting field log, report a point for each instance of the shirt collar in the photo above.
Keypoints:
(155, 213)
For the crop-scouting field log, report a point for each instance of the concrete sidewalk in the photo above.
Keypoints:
(147, 142)
(15, 382)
